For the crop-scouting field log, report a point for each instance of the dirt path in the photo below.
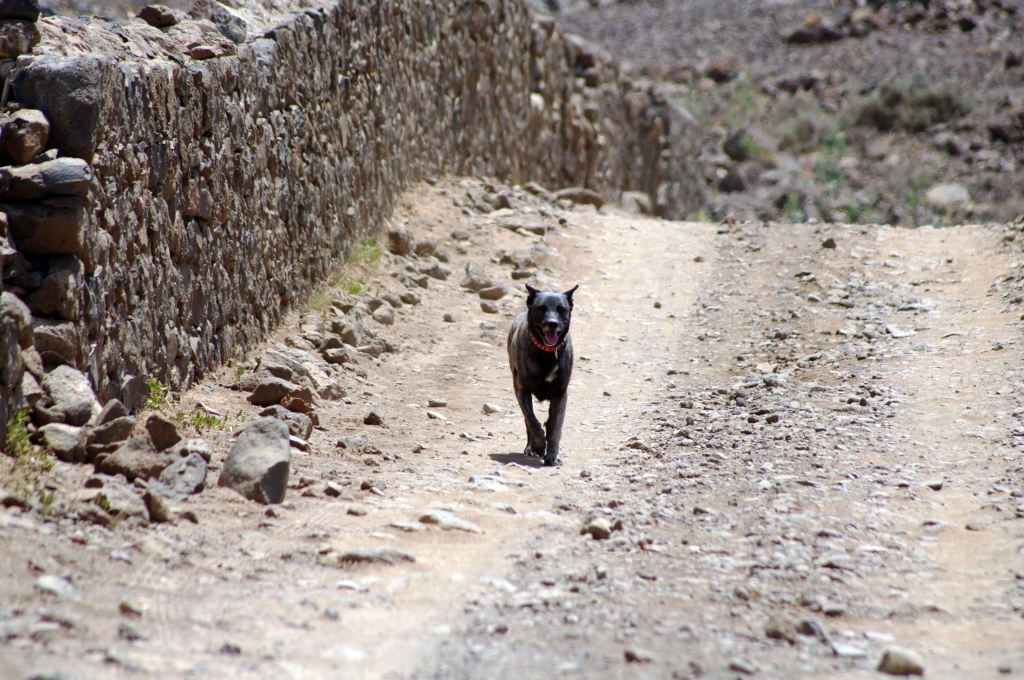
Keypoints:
(781, 432)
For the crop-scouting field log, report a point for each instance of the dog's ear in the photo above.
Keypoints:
(568, 294)
(532, 294)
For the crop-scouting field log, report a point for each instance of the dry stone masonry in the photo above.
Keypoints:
(176, 184)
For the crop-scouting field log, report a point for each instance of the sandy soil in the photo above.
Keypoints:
(781, 432)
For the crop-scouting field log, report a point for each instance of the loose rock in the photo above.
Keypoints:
(352, 442)
(900, 661)
(59, 586)
(259, 463)
(384, 315)
(300, 400)
(71, 394)
(947, 195)
(159, 510)
(492, 293)
(299, 424)
(136, 458)
(448, 521)
(778, 628)
(271, 391)
(163, 432)
(599, 528)
(66, 441)
(185, 475)
(581, 195)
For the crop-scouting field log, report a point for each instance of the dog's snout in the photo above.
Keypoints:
(551, 321)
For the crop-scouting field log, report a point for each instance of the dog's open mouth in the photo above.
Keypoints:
(550, 338)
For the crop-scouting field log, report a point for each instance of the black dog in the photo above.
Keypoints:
(540, 356)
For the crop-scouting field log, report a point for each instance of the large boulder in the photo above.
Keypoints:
(259, 463)
(70, 393)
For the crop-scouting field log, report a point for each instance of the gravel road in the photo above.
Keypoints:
(788, 449)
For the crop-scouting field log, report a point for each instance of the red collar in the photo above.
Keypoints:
(546, 348)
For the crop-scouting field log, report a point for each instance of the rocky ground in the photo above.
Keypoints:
(874, 112)
(790, 451)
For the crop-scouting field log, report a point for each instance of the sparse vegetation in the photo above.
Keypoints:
(203, 421)
(363, 259)
(854, 212)
(794, 209)
(17, 443)
(366, 252)
(908, 103)
(31, 463)
(799, 125)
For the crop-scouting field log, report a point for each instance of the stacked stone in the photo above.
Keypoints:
(203, 174)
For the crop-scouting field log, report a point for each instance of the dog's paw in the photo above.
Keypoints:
(528, 451)
(552, 462)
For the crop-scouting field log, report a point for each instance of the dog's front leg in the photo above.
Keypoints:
(556, 415)
(534, 430)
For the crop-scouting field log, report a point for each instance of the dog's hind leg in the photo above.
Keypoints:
(556, 416)
(534, 430)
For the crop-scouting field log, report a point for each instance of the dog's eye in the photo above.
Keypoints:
(561, 309)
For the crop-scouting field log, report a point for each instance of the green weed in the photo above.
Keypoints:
(31, 463)
(157, 397)
(363, 258)
(794, 209)
(203, 421)
(829, 169)
(365, 252)
(854, 212)
(17, 443)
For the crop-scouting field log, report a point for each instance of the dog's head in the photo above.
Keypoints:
(548, 314)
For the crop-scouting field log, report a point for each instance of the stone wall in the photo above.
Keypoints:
(198, 187)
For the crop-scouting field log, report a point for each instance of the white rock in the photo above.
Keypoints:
(900, 661)
(947, 195)
(59, 586)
